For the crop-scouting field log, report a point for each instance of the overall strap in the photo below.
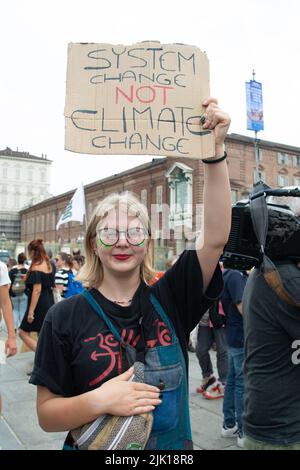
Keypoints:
(96, 307)
(159, 309)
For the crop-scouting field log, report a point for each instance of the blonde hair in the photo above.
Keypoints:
(92, 270)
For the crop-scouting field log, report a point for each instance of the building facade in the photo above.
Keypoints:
(24, 181)
(172, 189)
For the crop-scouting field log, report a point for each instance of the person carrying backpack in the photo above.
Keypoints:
(17, 289)
(74, 287)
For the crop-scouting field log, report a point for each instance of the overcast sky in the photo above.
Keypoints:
(237, 35)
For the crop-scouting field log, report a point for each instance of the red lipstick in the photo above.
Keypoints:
(121, 257)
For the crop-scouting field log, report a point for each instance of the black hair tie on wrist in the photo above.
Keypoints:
(210, 160)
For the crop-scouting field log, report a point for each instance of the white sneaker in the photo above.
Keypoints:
(229, 432)
(240, 440)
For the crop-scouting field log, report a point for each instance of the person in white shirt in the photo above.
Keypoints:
(6, 307)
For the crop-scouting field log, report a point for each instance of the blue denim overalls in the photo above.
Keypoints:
(164, 368)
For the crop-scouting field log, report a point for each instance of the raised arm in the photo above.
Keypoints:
(216, 196)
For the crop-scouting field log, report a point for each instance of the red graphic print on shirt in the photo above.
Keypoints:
(107, 348)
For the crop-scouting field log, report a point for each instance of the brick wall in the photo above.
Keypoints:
(241, 163)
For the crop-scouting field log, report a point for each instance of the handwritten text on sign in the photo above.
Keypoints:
(141, 99)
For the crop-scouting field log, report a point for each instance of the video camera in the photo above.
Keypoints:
(243, 251)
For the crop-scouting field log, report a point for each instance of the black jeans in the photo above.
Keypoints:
(206, 337)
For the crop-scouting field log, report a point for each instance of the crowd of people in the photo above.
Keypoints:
(31, 284)
(126, 312)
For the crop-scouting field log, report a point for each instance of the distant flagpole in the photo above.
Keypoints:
(75, 210)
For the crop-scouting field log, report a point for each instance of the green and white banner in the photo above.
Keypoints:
(75, 210)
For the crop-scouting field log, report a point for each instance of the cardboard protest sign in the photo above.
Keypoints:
(139, 99)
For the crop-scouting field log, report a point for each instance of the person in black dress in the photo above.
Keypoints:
(39, 288)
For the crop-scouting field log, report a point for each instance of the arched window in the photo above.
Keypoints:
(180, 182)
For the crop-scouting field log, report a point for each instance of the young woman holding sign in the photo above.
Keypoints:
(81, 367)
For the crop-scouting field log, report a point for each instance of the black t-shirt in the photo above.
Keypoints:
(272, 369)
(76, 351)
(234, 285)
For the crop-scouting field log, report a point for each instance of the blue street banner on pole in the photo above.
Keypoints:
(255, 114)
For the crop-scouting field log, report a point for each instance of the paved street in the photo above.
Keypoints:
(19, 428)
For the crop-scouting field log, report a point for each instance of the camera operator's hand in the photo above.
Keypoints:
(217, 121)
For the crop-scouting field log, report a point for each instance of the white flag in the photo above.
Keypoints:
(75, 210)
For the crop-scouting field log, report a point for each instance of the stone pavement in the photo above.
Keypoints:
(19, 427)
